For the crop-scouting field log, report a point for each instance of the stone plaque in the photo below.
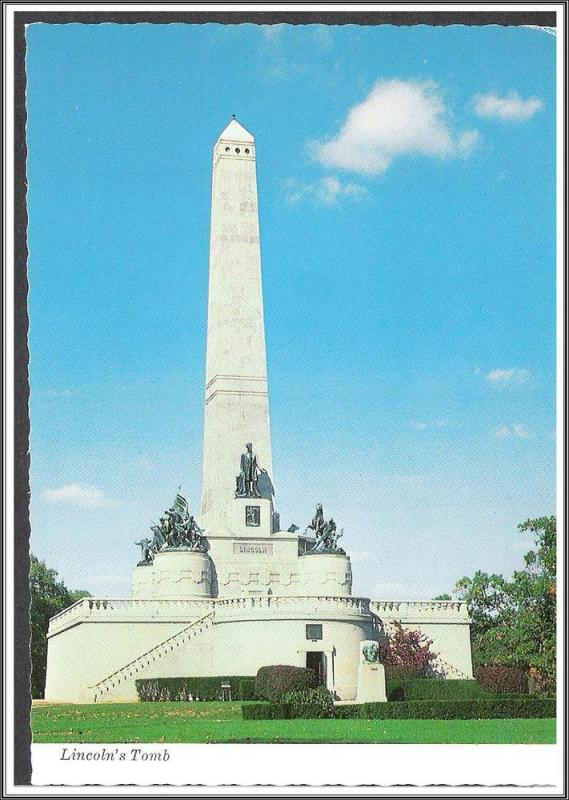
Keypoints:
(253, 548)
(252, 516)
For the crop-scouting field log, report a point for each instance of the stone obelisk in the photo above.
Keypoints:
(236, 397)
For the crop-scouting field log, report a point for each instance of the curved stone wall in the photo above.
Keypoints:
(250, 633)
(325, 573)
(174, 574)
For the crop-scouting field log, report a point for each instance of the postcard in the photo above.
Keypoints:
(288, 294)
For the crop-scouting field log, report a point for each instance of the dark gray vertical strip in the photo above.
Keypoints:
(22, 660)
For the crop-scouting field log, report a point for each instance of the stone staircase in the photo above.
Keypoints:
(439, 668)
(104, 688)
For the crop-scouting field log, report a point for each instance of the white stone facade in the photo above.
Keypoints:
(98, 648)
(256, 597)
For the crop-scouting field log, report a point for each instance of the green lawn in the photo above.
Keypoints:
(222, 722)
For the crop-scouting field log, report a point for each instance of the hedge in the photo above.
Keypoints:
(491, 708)
(273, 682)
(497, 678)
(276, 711)
(176, 689)
(525, 708)
(434, 689)
(310, 703)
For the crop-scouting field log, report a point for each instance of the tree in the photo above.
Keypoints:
(48, 597)
(407, 649)
(513, 621)
(442, 597)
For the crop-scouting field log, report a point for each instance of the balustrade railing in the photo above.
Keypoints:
(419, 608)
(97, 609)
(91, 609)
(229, 606)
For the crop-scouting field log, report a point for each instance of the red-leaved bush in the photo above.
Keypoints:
(406, 651)
(500, 678)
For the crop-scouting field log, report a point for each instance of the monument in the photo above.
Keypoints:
(233, 592)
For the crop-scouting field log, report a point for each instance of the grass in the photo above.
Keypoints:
(222, 722)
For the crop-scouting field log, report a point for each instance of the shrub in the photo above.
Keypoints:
(310, 703)
(180, 689)
(273, 682)
(492, 708)
(408, 649)
(434, 689)
(541, 681)
(497, 678)
(246, 689)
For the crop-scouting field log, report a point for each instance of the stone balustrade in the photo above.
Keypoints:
(289, 607)
(90, 609)
(421, 610)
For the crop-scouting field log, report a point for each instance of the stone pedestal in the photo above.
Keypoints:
(174, 575)
(371, 675)
(251, 517)
(325, 575)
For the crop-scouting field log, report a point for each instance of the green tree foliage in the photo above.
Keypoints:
(48, 597)
(442, 597)
(513, 621)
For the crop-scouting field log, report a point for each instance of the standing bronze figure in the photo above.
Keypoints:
(247, 482)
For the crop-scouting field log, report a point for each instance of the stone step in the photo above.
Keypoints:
(103, 687)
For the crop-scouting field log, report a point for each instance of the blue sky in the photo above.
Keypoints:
(406, 180)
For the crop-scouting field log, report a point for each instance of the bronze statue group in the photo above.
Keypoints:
(177, 529)
(326, 533)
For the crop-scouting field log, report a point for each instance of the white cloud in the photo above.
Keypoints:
(512, 108)
(516, 430)
(74, 494)
(397, 118)
(326, 191)
(521, 432)
(502, 377)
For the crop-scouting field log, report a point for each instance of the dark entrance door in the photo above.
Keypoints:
(315, 661)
